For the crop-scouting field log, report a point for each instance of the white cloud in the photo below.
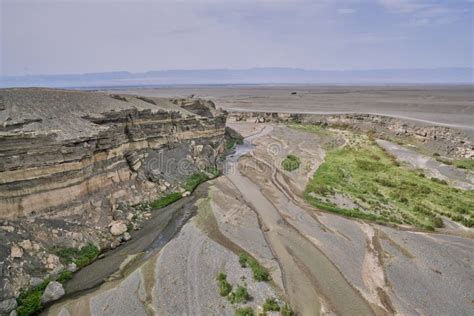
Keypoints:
(422, 12)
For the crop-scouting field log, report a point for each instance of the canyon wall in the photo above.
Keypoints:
(74, 153)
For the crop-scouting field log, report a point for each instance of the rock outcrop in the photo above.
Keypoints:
(71, 152)
(73, 163)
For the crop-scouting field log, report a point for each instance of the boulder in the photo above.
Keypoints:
(26, 244)
(52, 262)
(16, 252)
(7, 306)
(72, 267)
(117, 228)
(126, 236)
(114, 244)
(53, 291)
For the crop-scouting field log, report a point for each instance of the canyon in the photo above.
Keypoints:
(87, 168)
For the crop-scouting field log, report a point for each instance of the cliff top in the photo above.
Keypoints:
(70, 113)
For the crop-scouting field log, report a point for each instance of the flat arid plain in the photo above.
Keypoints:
(301, 200)
(443, 105)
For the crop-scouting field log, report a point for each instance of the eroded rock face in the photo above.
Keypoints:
(71, 162)
(64, 152)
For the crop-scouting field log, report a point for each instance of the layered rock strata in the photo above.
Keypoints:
(66, 153)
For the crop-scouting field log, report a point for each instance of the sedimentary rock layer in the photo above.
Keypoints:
(72, 152)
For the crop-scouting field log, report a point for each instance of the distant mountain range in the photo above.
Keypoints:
(245, 76)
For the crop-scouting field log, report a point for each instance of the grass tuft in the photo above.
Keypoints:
(290, 163)
(166, 200)
(259, 272)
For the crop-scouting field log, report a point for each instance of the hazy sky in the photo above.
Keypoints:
(70, 36)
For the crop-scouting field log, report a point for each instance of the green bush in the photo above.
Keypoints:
(240, 295)
(81, 257)
(224, 287)
(29, 301)
(259, 272)
(244, 311)
(166, 200)
(291, 163)
(271, 305)
(286, 311)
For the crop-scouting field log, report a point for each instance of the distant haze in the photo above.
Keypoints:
(245, 76)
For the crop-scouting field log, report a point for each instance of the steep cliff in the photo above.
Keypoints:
(73, 163)
(70, 152)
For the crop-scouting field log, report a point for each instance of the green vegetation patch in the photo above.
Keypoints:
(239, 295)
(385, 191)
(194, 180)
(259, 272)
(467, 164)
(244, 311)
(271, 305)
(29, 301)
(290, 163)
(81, 257)
(166, 200)
(464, 164)
(64, 276)
(224, 287)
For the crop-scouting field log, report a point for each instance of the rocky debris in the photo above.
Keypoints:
(115, 243)
(8, 229)
(26, 244)
(117, 228)
(72, 267)
(53, 291)
(126, 236)
(16, 252)
(52, 262)
(34, 281)
(7, 306)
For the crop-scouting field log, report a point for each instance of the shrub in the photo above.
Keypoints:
(29, 301)
(240, 295)
(271, 305)
(166, 200)
(259, 272)
(286, 311)
(224, 287)
(291, 163)
(81, 257)
(244, 311)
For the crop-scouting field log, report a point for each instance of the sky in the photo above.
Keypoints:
(71, 36)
